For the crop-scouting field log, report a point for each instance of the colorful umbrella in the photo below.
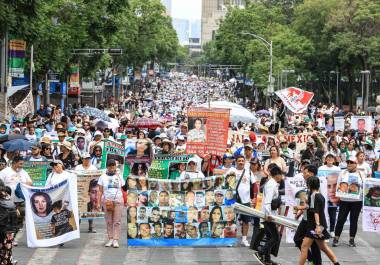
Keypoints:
(145, 123)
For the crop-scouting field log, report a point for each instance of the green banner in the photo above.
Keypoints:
(37, 171)
(166, 166)
(113, 150)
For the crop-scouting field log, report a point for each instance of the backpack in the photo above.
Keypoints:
(8, 216)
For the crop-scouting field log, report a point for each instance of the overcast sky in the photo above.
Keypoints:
(187, 9)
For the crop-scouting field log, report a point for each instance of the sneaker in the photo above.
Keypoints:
(259, 257)
(15, 243)
(115, 244)
(245, 243)
(351, 243)
(271, 263)
(109, 243)
(91, 230)
(332, 234)
(61, 245)
(335, 242)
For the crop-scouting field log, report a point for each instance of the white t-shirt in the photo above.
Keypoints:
(81, 168)
(55, 178)
(111, 187)
(365, 168)
(191, 175)
(11, 178)
(325, 167)
(244, 188)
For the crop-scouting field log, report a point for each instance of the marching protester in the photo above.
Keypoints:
(270, 205)
(111, 198)
(349, 206)
(316, 223)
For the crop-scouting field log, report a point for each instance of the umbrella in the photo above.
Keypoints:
(9, 137)
(101, 124)
(237, 112)
(94, 112)
(263, 112)
(17, 145)
(145, 123)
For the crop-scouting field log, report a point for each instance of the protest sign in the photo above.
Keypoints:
(37, 171)
(113, 150)
(349, 186)
(300, 139)
(339, 123)
(138, 154)
(331, 178)
(88, 194)
(168, 167)
(208, 131)
(361, 124)
(371, 205)
(295, 188)
(193, 212)
(51, 213)
(236, 137)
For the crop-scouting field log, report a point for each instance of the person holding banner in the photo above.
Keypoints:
(110, 184)
(245, 179)
(350, 202)
(36, 153)
(58, 175)
(316, 223)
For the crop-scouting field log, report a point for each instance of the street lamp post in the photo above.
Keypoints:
(268, 45)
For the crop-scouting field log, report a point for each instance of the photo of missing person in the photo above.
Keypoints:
(199, 199)
(372, 197)
(229, 198)
(153, 198)
(143, 198)
(204, 215)
(51, 218)
(144, 231)
(62, 221)
(93, 194)
(132, 198)
(132, 231)
(168, 230)
(132, 214)
(175, 186)
(331, 188)
(156, 230)
(343, 187)
(175, 170)
(139, 150)
(197, 130)
(209, 198)
(190, 198)
(155, 215)
(177, 199)
(180, 231)
(192, 214)
(142, 216)
(219, 197)
(230, 181)
(192, 230)
(208, 184)
(217, 229)
(230, 231)
(204, 230)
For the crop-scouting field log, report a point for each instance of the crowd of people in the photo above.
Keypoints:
(71, 140)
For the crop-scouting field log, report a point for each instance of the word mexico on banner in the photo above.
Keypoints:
(51, 213)
(371, 205)
(88, 194)
(208, 131)
(191, 212)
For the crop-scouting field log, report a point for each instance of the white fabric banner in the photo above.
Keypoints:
(295, 99)
(339, 123)
(51, 213)
(371, 205)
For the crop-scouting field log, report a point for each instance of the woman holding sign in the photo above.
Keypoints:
(349, 189)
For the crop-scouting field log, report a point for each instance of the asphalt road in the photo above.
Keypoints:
(89, 249)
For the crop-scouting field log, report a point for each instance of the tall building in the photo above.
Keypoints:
(212, 12)
(168, 6)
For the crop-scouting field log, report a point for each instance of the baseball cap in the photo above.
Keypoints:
(56, 162)
(352, 159)
(97, 133)
(86, 155)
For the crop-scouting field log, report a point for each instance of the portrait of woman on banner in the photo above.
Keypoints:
(197, 132)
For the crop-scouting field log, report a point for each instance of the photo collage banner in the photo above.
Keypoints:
(191, 212)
